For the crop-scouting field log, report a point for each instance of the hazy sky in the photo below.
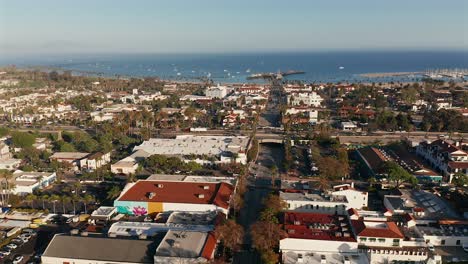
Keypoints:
(89, 26)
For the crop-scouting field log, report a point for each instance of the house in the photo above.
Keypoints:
(72, 158)
(95, 160)
(129, 165)
(149, 197)
(4, 151)
(9, 164)
(28, 182)
(348, 126)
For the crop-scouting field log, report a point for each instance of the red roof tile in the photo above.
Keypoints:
(209, 248)
(317, 226)
(180, 192)
(390, 231)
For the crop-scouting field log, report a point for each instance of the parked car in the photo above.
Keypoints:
(17, 241)
(18, 259)
(12, 246)
(465, 247)
(431, 247)
(5, 253)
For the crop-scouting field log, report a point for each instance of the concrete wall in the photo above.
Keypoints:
(306, 245)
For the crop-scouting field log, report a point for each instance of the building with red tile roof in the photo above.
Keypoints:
(148, 197)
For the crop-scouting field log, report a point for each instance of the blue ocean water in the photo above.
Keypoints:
(318, 66)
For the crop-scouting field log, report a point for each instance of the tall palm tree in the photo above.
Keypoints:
(5, 186)
(44, 198)
(87, 199)
(54, 199)
(31, 198)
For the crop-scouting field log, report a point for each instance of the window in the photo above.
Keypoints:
(458, 242)
(372, 239)
(363, 239)
(381, 240)
(317, 207)
(442, 242)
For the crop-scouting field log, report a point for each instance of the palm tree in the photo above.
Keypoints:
(75, 198)
(113, 193)
(87, 199)
(44, 198)
(65, 200)
(31, 198)
(5, 186)
(54, 199)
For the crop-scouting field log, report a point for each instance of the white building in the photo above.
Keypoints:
(28, 182)
(444, 156)
(223, 149)
(129, 165)
(315, 203)
(95, 160)
(356, 199)
(217, 91)
(348, 126)
(9, 164)
(309, 99)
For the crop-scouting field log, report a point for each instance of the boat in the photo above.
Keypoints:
(341, 68)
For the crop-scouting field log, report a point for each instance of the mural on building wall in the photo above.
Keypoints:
(131, 208)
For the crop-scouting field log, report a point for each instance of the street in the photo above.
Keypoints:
(260, 185)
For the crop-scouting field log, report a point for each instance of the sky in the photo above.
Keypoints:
(211, 26)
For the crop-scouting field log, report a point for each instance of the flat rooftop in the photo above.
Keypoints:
(182, 244)
(197, 145)
(101, 249)
(314, 196)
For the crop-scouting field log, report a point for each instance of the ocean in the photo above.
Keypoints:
(227, 68)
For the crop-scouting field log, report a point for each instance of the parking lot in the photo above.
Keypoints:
(34, 247)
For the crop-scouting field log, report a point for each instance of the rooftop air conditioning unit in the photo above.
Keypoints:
(151, 195)
(206, 187)
(297, 222)
(160, 185)
(201, 196)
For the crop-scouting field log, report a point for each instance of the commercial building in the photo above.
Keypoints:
(98, 250)
(148, 197)
(319, 238)
(28, 182)
(444, 156)
(315, 202)
(129, 165)
(200, 149)
(185, 247)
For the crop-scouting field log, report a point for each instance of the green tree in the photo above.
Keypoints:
(22, 139)
(460, 179)
(398, 175)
